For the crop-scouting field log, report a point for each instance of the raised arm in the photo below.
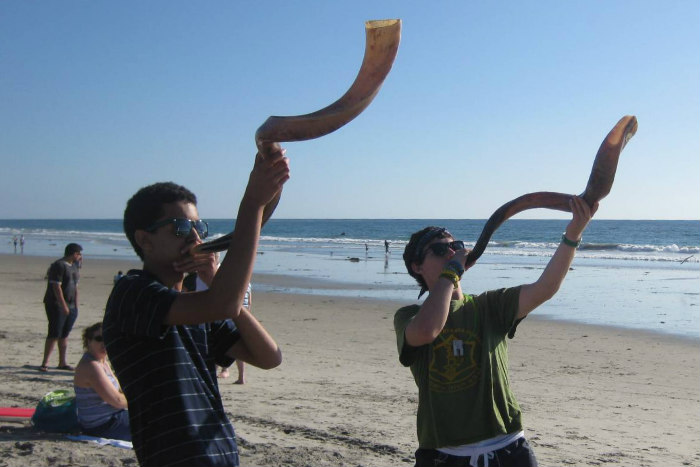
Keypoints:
(535, 294)
(432, 316)
(224, 297)
(255, 346)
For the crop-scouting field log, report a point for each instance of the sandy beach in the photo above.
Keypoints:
(590, 395)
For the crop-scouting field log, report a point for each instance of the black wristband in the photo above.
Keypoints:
(568, 242)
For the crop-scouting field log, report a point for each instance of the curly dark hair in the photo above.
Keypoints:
(413, 253)
(89, 332)
(146, 206)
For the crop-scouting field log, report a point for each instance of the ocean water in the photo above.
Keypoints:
(636, 274)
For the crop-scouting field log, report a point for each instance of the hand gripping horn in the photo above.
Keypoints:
(599, 185)
(381, 45)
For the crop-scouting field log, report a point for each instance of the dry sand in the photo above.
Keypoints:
(590, 395)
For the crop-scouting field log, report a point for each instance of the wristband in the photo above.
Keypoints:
(455, 267)
(451, 275)
(568, 242)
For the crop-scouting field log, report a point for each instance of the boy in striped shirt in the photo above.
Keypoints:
(164, 344)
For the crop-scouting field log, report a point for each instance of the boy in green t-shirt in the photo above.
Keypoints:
(456, 348)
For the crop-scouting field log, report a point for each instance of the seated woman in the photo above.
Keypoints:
(102, 408)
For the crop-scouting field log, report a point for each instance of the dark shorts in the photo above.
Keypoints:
(116, 428)
(517, 454)
(60, 325)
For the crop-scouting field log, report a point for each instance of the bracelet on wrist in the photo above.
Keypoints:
(451, 275)
(455, 266)
(568, 242)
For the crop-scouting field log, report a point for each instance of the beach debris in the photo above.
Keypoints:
(26, 447)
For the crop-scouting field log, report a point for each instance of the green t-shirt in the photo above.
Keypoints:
(464, 394)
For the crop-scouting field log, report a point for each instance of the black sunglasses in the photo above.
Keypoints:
(440, 249)
(98, 338)
(183, 227)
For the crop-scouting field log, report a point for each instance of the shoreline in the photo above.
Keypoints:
(291, 284)
(589, 394)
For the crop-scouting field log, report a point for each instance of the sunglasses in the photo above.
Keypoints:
(98, 338)
(183, 227)
(440, 249)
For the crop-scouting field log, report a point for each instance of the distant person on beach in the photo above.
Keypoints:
(118, 276)
(164, 344)
(240, 365)
(456, 347)
(100, 402)
(14, 240)
(61, 304)
(386, 246)
(21, 243)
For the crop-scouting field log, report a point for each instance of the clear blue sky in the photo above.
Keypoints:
(486, 101)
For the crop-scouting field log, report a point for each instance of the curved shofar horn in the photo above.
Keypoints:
(382, 43)
(599, 185)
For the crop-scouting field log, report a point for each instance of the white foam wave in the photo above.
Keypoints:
(658, 253)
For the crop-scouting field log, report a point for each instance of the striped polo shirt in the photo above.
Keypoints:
(168, 376)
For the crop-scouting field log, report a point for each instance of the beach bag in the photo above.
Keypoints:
(56, 412)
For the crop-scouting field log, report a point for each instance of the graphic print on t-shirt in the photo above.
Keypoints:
(453, 366)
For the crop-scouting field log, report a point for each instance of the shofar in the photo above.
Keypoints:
(599, 185)
(381, 46)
